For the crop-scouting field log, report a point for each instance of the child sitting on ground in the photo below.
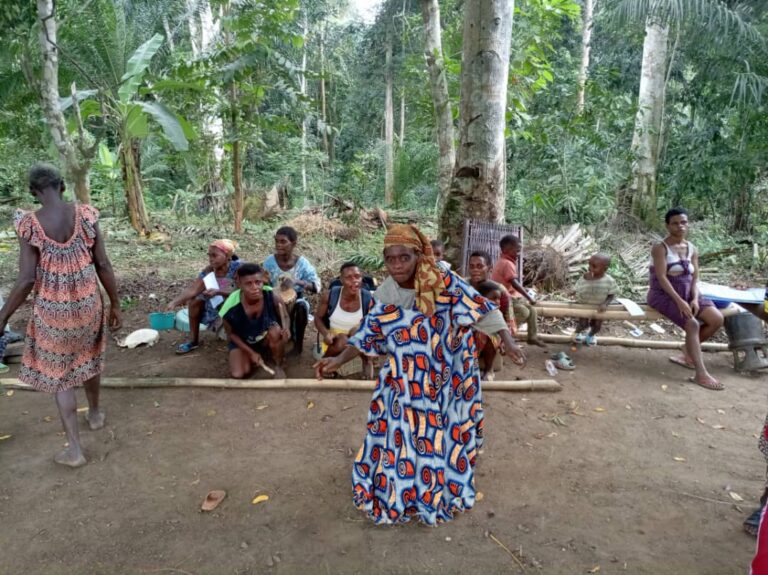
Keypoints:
(505, 272)
(598, 288)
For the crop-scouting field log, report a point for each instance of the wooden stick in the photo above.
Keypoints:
(566, 309)
(330, 384)
(626, 342)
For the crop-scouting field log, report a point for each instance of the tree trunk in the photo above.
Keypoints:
(237, 168)
(76, 168)
(438, 83)
(134, 195)
(323, 105)
(586, 44)
(646, 140)
(389, 128)
(303, 88)
(478, 186)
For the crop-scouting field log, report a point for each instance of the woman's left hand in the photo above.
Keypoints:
(115, 318)
(209, 293)
(695, 307)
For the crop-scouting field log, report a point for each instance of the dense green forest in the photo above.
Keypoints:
(614, 109)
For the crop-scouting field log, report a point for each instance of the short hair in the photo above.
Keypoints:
(674, 212)
(288, 232)
(346, 266)
(437, 244)
(482, 254)
(485, 288)
(602, 256)
(249, 270)
(43, 176)
(509, 240)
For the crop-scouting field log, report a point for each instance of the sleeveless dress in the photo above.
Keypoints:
(66, 335)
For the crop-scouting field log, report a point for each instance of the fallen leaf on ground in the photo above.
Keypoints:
(700, 420)
(260, 407)
(260, 499)
(48, 419)
(721, 412)
(594, 569)
(210, 412)
(310, 405)
(553, 434)
(674, 434)
(82, 409)
(676, 458)
(479, 496)
(4, 437)
(9, 393)
(599, 409)
(628, 407)
(157, 404)
(735, 496)
(718, 427)
(664, 387)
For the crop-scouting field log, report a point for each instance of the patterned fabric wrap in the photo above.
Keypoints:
(66, 335)
(762, 443)
(429, 277)
(425, 421)
(224, 245)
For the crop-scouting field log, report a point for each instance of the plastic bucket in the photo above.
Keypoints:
(182, 320)
(161, 320)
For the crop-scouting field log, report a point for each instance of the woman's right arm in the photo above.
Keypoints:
(28, 258)
(193, 290)
(659, 256)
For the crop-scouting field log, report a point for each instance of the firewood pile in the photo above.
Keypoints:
(553, 259)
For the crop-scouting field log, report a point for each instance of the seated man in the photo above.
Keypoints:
(256, 322)
(341, 311)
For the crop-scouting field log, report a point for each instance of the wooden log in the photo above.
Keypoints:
(329, 384)
(567, 309)
(627, 342)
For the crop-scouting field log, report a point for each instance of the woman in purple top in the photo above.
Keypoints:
(674, 293)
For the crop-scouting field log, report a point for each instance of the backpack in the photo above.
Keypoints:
(333, 301)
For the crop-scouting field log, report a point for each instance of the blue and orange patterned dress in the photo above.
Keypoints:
(425, 421)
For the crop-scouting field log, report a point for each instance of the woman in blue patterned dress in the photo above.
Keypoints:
(425, 422)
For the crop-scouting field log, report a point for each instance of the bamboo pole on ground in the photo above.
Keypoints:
(567, 309)
(626, 342)
(290, 383)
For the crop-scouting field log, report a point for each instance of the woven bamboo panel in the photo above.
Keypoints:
(485, 236)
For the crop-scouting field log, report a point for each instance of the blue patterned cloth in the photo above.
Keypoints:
(425, 421)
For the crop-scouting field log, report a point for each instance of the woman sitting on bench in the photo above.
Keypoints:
(674, 293)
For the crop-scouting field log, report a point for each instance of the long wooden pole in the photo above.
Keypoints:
(329, 384)
(567, 309)
(626, 342)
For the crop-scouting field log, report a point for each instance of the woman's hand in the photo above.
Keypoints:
(209, 293)
(695, 307)
(256, 358)
(328, 338)
(115, 318)
(516, 354)
(685, 309)
(171, 306)
(286, 333)
(326, 365)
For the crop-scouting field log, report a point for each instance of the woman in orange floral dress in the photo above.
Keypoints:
(62, 259)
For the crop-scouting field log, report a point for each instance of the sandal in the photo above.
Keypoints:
(752, 523)
(713, 385)
(682, 361)
(562, 361)
(213, 499)
(590, 340)
(580, 337)
(186, 347)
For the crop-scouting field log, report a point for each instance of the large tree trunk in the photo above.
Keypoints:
(586, 45)
(303, 89)
(76, 167)
(640, 197)
(237, 168)
(323, 104)
(134, 194)
(438, 83)
(389, 128)
(478, 187)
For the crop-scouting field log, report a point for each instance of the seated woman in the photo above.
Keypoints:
(254, 324)
(674, 293)
(202, 303)
(341, 311)
(480, 267)
(285, 266)
(425, 420)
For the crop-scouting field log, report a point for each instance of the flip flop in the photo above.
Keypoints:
(752, 523)
(715, 386)
(682, 361)
(213, 499)
(562, 361)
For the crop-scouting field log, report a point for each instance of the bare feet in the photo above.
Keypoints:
(279, 373)
(95, 419)
(70, 458)
(488, 375)
(537, 341)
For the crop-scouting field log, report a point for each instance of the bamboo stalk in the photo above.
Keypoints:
(626, 342)
(566, 309)
(329, 384)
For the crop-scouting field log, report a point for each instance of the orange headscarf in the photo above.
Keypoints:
(225, 245)
(428, 277)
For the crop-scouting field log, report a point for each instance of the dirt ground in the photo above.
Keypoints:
(623, 471)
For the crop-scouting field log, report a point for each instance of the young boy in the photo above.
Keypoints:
(598, 288)
(254, 323)
(505, 272)
(488, 345)
(438, 250)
